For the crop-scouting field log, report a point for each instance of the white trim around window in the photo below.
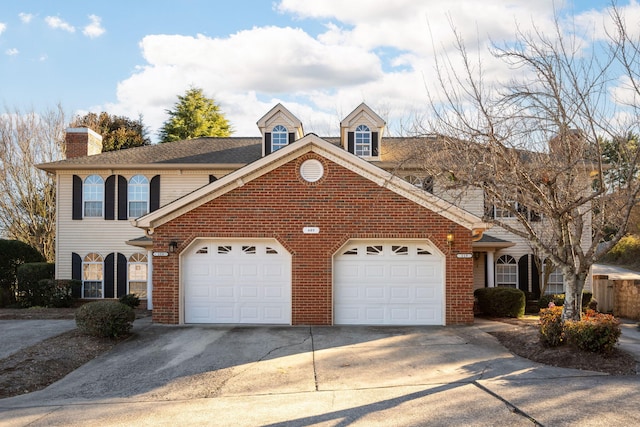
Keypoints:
(93, 276)
(93, 197)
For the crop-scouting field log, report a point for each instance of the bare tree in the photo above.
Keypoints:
(532, 143)
(27, 195)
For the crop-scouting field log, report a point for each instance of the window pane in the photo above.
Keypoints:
(279, 137)
(138, 190)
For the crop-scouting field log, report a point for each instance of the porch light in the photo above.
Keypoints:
(450, 238)
(173, 246)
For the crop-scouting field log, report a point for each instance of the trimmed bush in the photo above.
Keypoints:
(551, 327)
(13, 253)
(556, 299)
(130, 299)
(33, 288)
(107, 319)
(596, 332)
(501, 302)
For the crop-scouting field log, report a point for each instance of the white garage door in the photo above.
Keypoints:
(237, 282)
(388, 283)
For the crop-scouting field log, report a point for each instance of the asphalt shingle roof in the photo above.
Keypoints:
(212, 150)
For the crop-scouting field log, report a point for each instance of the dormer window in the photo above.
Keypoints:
(363, 141)
(279, 138)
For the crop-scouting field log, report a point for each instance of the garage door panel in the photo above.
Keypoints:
(223, 270)
(223, 293)
(400, 270)
(200, 270)
(401, 284)
(237, 282)
(374, 293)
(274, 292)
(375, 271)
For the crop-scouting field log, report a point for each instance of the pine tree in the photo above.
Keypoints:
(193, 116)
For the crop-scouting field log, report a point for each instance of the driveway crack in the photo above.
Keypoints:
(513, 408)
(313, 358)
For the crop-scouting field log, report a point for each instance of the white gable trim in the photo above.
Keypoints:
(310, 143)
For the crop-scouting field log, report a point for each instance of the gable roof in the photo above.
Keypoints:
(362, 109)
(279, 108)
(315, 144)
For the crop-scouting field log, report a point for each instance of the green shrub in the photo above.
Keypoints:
(59, 293)
(551, 327)
(130, 299)
(32, 289)
(108, 319)
(556, 299)
(595, 332)
(501, 302)
(13, 253)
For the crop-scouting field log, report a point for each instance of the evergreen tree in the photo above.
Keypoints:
(193, 116)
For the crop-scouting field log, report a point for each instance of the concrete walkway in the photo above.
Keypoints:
(324, 376)
(18, 334)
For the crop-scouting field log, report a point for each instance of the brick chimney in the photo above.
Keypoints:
(82, 142)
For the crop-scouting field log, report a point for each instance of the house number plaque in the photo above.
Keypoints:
(311, 230)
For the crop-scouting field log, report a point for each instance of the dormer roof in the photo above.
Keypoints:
(363, 115)
(280, 115)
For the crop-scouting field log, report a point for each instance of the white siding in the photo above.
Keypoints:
(102, 236)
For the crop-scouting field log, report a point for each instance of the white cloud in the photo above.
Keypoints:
(12, 52)
(382, 55)
(94, 29)
(25, 17)
(3, 27)
(56, 23)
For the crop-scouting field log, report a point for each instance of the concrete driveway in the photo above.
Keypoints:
(328, 376)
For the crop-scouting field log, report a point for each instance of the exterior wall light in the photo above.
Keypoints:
(450, 238)
(173, 246)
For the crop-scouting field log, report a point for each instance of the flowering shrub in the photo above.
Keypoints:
(596, 332)
(551, 326)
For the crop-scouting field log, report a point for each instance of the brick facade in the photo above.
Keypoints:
(343, 204)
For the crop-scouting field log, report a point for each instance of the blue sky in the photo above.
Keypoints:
(319, 58)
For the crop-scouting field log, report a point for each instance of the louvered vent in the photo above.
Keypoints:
(311, 170)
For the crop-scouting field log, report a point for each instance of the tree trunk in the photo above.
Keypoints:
(573, 296)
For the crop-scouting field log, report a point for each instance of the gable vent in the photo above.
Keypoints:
(311, 170)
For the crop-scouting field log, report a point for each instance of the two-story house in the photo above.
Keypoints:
(285, 228)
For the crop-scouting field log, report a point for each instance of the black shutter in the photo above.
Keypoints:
(350, 142)
(374, 144)
(108, 276)
(292, 137)
(212, 178)
(267, 143)
(489, 209)
(523, 273)
(110, 198)
(122, 275)
(154, 193)
(535, 277)
(76, 274)
(123, 195)
(77, 198)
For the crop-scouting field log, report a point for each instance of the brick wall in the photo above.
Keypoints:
(343, 205)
